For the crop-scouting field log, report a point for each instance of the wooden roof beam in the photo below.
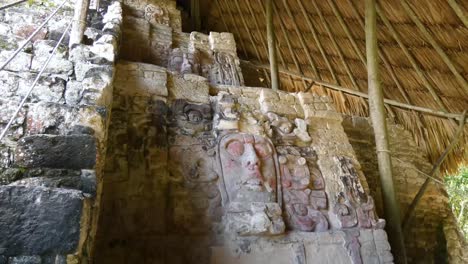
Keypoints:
(348, 33)
(251, 38)
(272, 46)
(383, 58)
(218, 6)
(335, 44)
(301, 40)
(366, 96)
(459, 11)
(461, 81)
(317, 41)
(249, 6)
(236, 27)
(288, 43)
(410, 57)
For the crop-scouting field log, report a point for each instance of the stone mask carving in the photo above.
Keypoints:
(249, 168)
(287, 132)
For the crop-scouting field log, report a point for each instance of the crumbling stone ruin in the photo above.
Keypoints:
(143, 145)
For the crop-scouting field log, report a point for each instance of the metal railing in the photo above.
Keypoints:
(44, 66)
(12, 4)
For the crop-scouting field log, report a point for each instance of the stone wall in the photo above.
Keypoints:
(152, 34)
(51, 159)
(169, 197)
(433, 236)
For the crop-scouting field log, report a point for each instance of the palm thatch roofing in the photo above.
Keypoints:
(423, 56)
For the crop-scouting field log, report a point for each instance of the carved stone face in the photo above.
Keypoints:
(248, 164)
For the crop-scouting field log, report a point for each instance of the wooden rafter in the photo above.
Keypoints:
(236, 27)
(384, 60)
(301, 40)
(220, 11)
(461, 81)
(335, 44)
(288, 43)
(348, 33)
(317, 41)
(410, 57)
(424, 110)
(280, 53)
(250, 37)
(412, 207)
(459, 11)
(272, 58)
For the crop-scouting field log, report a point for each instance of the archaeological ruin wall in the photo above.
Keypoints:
(143, 145)
(51, 160)
(201, 169)
(434, 236)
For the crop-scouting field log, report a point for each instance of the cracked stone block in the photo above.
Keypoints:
(70, 152)
(37, 220)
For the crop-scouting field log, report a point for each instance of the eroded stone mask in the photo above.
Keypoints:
(248, 164)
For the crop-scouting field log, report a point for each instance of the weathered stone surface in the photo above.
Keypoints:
(141, 79)
(58, 63)
(48, 89)
(191, 87)
(73, 152)
(50, 118)
(38, 220)
(280, 254)
(25, 260)
(73, 92)
(22, 61)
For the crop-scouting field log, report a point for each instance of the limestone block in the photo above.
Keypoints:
(279, 108)
(73, 152)
(87, 69)
(260, 219)
(327, 253)
(22, 61)
(114, 13)
(50, 118)
(96, 91)
(227, 125)
(142, 79)
(161, 44)
(106, 47)
(25, 260)
(112, 28)
(222, 42)
(270, 254)
(58, 63)
(305, 98)
(268, 95)
(8, 83)
(73, 92)
(48, 89)
(38, 220)
(199, 41)
(190, 87)
(7, 108)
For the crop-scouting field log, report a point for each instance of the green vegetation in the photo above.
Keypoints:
(457, 188)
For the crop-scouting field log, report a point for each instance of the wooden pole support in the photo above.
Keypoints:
(79, 22)
(271, 46)
(412, 207)
(377, 114)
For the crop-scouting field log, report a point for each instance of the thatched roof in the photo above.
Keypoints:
(423, 51)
